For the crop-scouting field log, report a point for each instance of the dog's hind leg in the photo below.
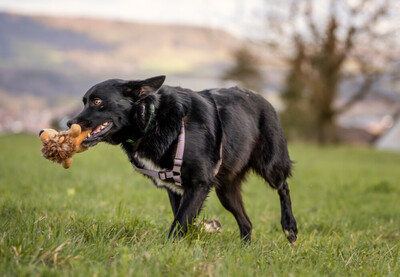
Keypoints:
(275, 173)
(231, 198)
(288, 222)
(190, 206)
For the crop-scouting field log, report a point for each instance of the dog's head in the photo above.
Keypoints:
(110, 106)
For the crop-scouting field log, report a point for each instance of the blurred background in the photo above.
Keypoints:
(330, 68)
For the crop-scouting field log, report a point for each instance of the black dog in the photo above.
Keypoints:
(228, 132)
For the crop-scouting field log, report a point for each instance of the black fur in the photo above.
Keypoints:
(243, 123)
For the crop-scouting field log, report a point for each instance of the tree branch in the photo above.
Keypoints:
(308, 13)
(362, 92)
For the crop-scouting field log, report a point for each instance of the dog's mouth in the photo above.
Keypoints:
(97, 134)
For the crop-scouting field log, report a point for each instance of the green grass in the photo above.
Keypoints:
(100, 218)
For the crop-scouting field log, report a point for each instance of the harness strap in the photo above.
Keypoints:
(175, 173)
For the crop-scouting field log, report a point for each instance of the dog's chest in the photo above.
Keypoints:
(149, 165)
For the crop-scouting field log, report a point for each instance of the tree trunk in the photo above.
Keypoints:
(327, 132)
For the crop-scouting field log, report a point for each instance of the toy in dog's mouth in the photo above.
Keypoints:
(97, 134)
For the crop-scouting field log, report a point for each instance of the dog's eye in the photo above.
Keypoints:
(97, 101)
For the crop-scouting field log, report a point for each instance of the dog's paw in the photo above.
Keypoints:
(291, 235)
(289, 227)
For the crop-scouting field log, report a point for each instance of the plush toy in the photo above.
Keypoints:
(59, 147)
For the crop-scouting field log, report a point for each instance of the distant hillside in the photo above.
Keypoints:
(48, 56)
(148, 47)
(19, 31)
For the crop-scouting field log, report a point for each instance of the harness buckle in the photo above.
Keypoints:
(162, 175)
(177, 167)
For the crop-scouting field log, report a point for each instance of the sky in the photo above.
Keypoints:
(236, 16)
(244, 18)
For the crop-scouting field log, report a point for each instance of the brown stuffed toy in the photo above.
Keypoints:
(59, 147)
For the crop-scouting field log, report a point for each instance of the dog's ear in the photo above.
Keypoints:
(143, 87)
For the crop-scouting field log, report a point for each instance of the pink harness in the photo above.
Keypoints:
(175, 173)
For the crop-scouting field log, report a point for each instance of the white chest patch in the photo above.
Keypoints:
(148, 164)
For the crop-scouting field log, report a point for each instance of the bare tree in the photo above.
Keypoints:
(245, 69)
(330, 42)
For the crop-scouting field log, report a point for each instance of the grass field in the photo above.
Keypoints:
(100, 218)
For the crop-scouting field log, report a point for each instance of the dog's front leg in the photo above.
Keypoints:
(175, 200)
(189, 208)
